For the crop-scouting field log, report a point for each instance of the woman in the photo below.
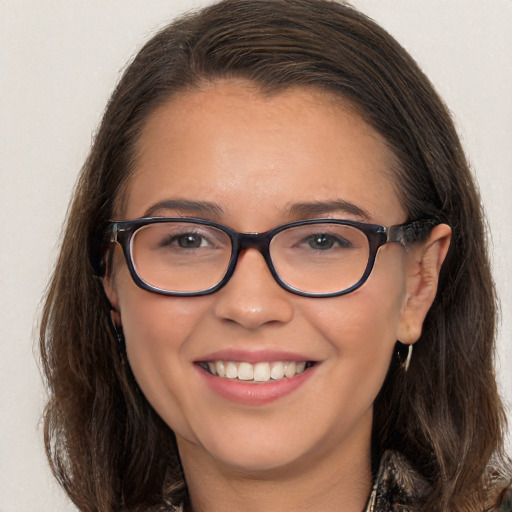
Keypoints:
(276, 195)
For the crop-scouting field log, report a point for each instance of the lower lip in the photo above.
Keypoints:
(255, 393)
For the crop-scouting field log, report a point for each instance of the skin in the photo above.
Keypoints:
(255, 157)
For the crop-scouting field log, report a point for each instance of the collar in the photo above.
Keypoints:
(399, 488)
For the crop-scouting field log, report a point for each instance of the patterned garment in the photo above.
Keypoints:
(397, 485)
(504, 501)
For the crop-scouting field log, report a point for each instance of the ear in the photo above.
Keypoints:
(423, 267)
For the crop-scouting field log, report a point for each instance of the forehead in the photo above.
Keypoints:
(229, 141)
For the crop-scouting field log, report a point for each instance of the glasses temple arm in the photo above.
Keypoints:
(412, 232)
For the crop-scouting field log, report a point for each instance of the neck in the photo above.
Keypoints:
(343, 479)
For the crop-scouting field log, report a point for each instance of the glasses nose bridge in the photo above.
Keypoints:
(258, 241)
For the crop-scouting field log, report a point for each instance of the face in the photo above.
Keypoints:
(259, 162)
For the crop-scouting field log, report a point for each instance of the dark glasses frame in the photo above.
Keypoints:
(122, 232)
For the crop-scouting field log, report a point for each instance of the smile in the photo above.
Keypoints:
(258, 372)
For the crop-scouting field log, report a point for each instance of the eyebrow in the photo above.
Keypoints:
(184, 206)
(304, 210)
(317, 208)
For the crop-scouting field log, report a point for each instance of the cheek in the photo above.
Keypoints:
(158, 319)
(362, 326)
(156, 330)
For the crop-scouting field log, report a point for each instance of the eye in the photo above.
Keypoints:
(180, 238)
(186, 241)
(324, 241)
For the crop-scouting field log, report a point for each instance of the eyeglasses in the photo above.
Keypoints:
(312, 258)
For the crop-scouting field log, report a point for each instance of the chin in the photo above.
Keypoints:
(258, 461)
(254, 450)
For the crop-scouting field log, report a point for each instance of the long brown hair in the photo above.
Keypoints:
(106, 445)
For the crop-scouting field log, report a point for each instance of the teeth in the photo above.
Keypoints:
(220, 368)
(289, 369)
(301, 366)
(277, 371)
(259, 372)
(231, 370)
(245, 371)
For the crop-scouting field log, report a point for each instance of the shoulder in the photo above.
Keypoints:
(399, 487)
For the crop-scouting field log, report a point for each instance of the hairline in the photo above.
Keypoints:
(266, 91)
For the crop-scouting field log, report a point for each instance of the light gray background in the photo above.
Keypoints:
(59, 61)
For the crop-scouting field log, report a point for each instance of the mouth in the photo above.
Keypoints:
(257, 372)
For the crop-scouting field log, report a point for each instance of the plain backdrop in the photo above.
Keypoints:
(59, 61)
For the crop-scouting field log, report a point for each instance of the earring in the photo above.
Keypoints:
(408, 359)
(117, 331)
(404, 363)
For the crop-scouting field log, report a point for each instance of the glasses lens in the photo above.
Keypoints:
(180, 256)
(320, 258)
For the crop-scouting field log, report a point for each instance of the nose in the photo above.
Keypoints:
(252, 298)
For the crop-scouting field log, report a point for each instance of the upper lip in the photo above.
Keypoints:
(254, 356)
